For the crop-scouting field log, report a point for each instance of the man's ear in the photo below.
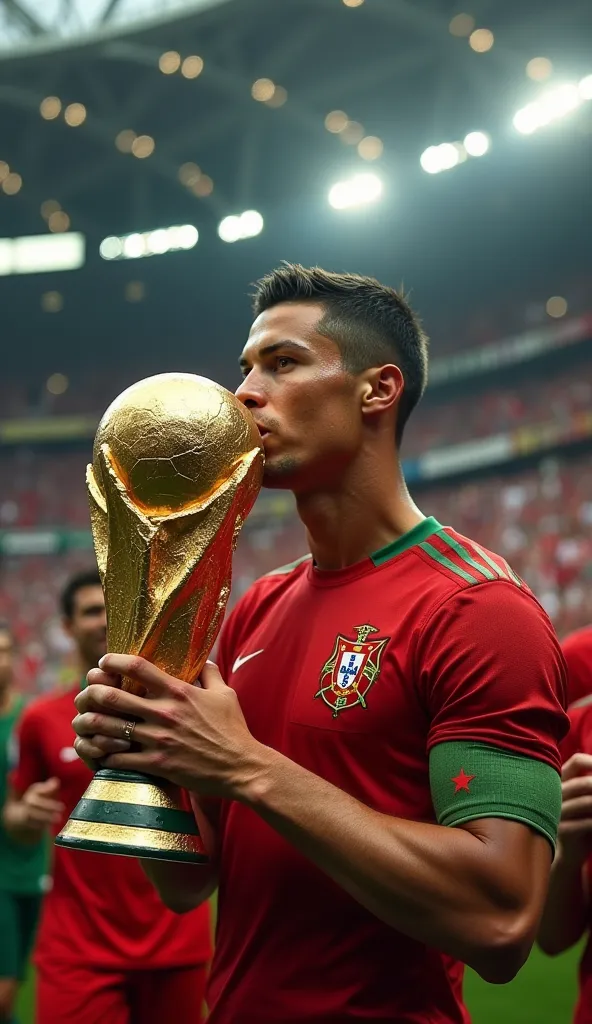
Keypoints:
(382, 387)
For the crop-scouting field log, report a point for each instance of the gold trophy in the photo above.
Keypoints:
(177, 466)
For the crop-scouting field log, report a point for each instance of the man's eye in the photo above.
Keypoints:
(283, 361)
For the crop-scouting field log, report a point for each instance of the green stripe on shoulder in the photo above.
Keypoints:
(464, 554)
(283, 570)
(446, 562)
(470, 780)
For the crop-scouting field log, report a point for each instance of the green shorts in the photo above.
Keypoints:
(18, 922)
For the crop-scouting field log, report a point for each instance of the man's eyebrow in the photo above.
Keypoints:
(295, 346)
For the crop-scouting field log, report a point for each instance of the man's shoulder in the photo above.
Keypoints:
(579, 642)
(49, 705)
(448, 563)
(274, 583)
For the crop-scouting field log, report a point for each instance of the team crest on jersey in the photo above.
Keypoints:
(352, 669)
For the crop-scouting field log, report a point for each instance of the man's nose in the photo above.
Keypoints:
(250, 393)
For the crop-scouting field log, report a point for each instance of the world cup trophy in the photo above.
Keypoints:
(177, 466)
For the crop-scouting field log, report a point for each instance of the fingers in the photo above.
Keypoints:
(576, 828)
(210, 677)
(141, 671)
(578, 808)
(579, 786)
(577, 765)
(98, 675)
(48, 787)
(107, 733)
(111, 701)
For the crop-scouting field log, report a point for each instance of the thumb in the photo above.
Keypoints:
(210, 677)
(579, 764)
(49, 786)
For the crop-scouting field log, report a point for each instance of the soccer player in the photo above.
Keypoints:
(568, 912)
(22, 872)
(374, 762)
(577, 651)
(107, 952)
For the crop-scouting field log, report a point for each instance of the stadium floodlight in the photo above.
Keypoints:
(149, 243)
(360, 190)
(237, 227)
(38, 254)
(443, 157)
(477, 143)
(585, 87)
(552, 105)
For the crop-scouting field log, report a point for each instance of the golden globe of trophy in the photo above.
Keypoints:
(177, 466)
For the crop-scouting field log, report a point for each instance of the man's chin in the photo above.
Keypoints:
(280, 473)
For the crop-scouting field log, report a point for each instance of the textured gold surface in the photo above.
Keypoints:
(131, 793)
(177, 466)
(125, 835)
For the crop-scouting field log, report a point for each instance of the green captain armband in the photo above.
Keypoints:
(475, 780)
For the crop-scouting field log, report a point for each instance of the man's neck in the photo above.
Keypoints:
(84, 668)
(7, 696)
(367, 512)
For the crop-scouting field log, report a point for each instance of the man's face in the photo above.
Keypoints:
(88, 625)
(306, 405)
(6, 659)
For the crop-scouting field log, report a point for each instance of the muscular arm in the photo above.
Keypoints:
(475, 892)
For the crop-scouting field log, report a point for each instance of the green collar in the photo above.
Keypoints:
(417, 535)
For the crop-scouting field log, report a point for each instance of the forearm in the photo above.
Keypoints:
(441, 886)
(566, 910)
(181, 887)
(16, 825)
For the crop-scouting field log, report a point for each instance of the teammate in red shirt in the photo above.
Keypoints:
(107, 951)
(577, 651)
(379, 784)
(568, 914)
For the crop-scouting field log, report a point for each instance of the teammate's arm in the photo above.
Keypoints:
(33, 801)
(566, 915)
(27, 817)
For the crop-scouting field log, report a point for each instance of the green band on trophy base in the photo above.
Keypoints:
(133, 815)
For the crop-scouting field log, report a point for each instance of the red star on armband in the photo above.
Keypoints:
(462, 781)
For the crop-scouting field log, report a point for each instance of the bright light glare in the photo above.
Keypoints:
(110, 248)
(157, 242)
(357, 191)
(134, 246)
(552, 105)
(585, 87)
(443, 157)
(184, 237)
(476, 143)
(236, 228)
(150, 243)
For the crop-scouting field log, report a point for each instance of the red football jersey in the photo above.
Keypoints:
(102, 910)
(358, 675)
(577, 651)
(579, 740)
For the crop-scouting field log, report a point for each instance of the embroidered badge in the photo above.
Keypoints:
(352, 669)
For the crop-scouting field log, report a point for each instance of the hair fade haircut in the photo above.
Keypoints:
(88, 578)
(372, 324)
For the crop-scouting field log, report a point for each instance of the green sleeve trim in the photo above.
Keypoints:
(475, 780)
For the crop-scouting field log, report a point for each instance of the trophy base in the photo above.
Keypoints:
(133, 815)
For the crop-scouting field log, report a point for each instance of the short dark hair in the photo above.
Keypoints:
(88, 578)
(371, 323)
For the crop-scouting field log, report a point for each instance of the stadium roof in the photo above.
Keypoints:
(35, 25)
(179, 88)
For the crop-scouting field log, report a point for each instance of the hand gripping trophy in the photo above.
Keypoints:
(177, 466)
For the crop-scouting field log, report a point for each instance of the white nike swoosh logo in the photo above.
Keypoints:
(242, 660)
